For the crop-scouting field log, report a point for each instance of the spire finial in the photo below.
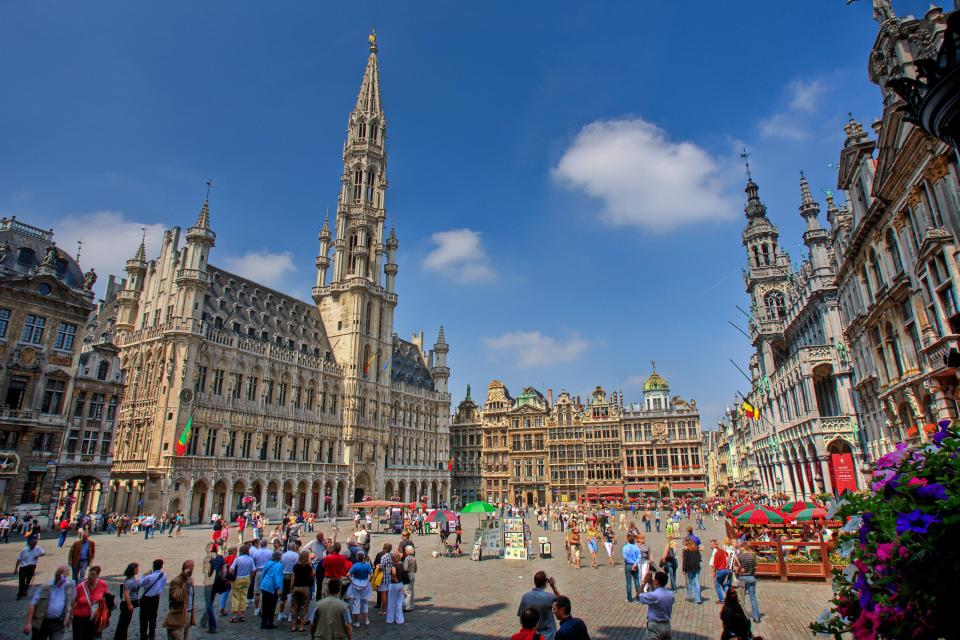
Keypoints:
(203, 219)
(805, 194)
(209, 186)
(372, 38)
(79, 248)
(653, 363)
(468, 392)
(746, 161)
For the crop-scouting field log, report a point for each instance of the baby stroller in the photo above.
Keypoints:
(446, 549)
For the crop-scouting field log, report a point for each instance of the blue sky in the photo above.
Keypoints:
(564, 176)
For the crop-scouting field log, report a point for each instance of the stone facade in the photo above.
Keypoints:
(805, 439)
(663, 444)
(896, 248)
(466, 445)
(304, 406)
(83, 468)
(536, 451)
(45, 299)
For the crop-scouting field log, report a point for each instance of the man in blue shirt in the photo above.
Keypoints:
(152, 585)
(50, 608)
(539, 599)
(570, 628)
(660, 608)
(631, 566)
(693, 537)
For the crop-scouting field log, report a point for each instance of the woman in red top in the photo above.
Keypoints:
(89, 597)
(225, 597)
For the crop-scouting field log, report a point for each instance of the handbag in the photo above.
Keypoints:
(377, 578)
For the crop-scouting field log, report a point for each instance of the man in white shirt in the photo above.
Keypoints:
(147, 525)
(27, 565)
(5, 529)
(289, 558)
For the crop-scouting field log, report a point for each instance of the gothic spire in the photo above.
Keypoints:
(203, 218)
(141, 255)
(755, 208)
(368, 100)
(809, 209)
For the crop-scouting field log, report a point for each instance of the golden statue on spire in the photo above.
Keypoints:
(372, 38)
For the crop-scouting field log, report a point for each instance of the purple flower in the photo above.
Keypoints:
(934, 491)
(915, 521)
(893, 458)
(865, 528)
(881, 478)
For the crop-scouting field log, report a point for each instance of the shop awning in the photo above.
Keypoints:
(642, 487)
(604, 491)
(680, 486)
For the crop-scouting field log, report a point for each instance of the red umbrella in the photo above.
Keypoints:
(418, 505)
(441, 515)
(762, 515)
(805, 515)
(743, 508)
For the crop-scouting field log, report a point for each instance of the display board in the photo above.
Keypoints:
(514, 539)
(490, 538)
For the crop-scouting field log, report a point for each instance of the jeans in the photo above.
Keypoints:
(212, 611)
(633, 579)
(62, 539)
(672, 574)
(724, 578)
(658, 525)
(146, 532)
(693, 586)
(646, 525)
(80, 571)
(750, 586)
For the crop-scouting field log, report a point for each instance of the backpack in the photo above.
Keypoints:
(403, 576)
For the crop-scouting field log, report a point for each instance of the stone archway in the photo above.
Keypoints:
(287, 502)
(302, 496)
(340, 500)
(389, 490)
(198, 503)
(220, 498)
(402, 490)
(315, 497)
(362, 487)
(434, 494)
(236, 497)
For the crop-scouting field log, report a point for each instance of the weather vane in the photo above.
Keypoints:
(79, 248)
(746, 160)
(209, 186)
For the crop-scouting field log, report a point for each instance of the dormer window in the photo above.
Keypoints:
(25, 256)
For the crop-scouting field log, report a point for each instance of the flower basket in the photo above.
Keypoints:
(899, 541)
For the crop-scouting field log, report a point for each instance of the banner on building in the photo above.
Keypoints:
(844, 474)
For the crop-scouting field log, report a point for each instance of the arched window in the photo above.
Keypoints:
(374, 128)
(103, 370)
(371, 180)
(357, 184)
(866, 285)
(773, 302)
(893, 342)
(875, 267)
(361, 130)
(894, 250)
(766, 253)
(756, 256)
(352, 256)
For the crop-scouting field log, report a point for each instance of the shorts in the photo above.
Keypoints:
(287, 581)
(575, 551)
(593, 545)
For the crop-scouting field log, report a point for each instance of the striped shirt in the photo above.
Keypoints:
(747, 561)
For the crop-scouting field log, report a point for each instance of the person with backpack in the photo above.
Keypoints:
(91, 612)
(51, 607)
(217, 570)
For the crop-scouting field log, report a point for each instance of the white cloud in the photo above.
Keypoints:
(533, 349)
(109, 240)
(805, 96)
(793, 123)
(782, 125)
(636, 381)
(644, 178)
(458, 254)
(263, 267)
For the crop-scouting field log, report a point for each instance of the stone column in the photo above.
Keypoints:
(825, 474)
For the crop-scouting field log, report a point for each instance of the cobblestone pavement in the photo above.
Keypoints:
(457, 599)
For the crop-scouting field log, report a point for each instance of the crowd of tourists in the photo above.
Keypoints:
(288, 573)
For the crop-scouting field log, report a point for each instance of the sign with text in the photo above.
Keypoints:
(844, 474)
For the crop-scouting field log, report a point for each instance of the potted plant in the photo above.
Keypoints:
(900, 542)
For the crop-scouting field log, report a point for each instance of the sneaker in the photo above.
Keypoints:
(366, 623)
(256, 612)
